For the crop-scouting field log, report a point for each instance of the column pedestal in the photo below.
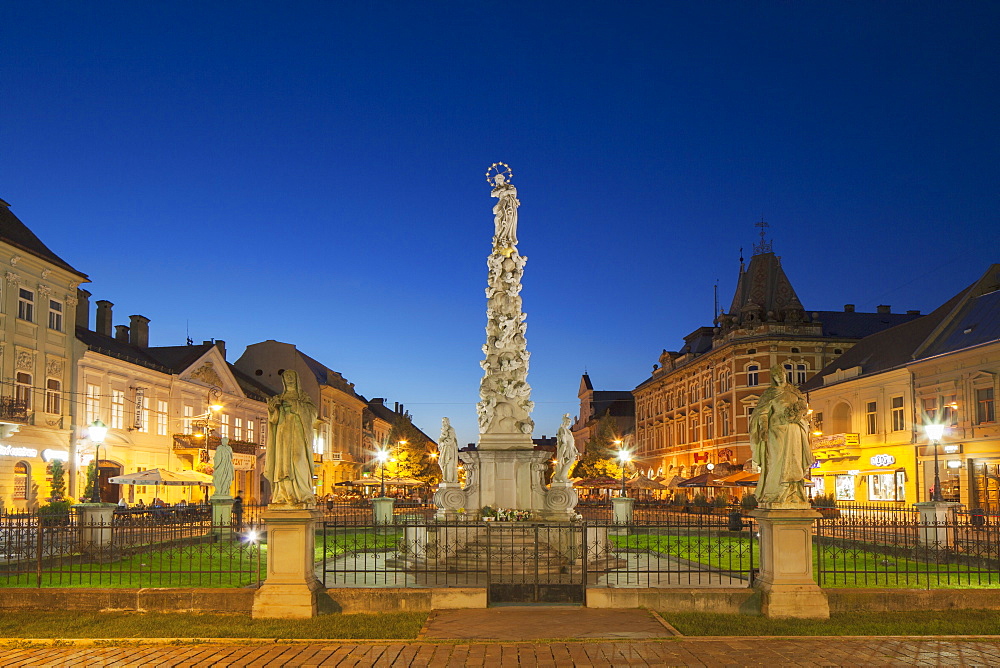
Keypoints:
(95, 521)
(382, 510)
(507, 478)
(222, 516)
(786, 582)
(937, 519)
(290, 588)
(622, 510)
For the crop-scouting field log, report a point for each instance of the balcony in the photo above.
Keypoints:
(184, 442)
(14, 411)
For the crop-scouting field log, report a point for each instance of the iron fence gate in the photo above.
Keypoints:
(535, 563)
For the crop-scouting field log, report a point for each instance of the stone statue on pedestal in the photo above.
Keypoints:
(779, 443)
(448, 452)
(222, 469)
(566, 452)
(505, 213)
(291, 417)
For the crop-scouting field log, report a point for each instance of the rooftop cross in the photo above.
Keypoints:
(764, 246)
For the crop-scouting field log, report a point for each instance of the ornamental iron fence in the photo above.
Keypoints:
(134, 549)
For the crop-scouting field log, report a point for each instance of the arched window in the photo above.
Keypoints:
(840, 421)
(753, 375)
(21, 475)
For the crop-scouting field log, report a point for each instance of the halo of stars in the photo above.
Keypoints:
(496, 169)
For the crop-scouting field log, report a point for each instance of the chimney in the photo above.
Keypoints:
(82, 308)
(396, 407)
(221, 345)
(103, 324)
(917, 312)
(378, 400)
(121, 333)
(882, 308)
(848, 308)
(139, 331)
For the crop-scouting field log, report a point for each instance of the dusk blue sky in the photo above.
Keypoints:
(313, 172)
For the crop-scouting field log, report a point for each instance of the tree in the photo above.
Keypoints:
(600, 452)
(58, 489)
(88, 491)
(410, 452)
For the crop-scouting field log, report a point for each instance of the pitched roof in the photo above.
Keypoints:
(974, 322)
(764, 285)
(613, 402)
(112, 347)
(889, 348)
(852, 325)
(17, 234)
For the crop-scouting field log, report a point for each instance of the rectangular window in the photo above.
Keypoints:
(753, 375)
(55, 315)
(709, 426)
(695, 437)
(188, 415)
(800, 374)
(898, 419)
(845, 488)
(26, 305)
(985, 406)
(53, 396)
(117, 409)
(92, 404)
(818, 421)
(250, 437)
(949, 410)
(238, 428)
(161, 417)
(882, 487)
(930, 410)
(144, 413)
(224, 426)
(871, 413)
(789, 373)
(725, 423)
(22, 389)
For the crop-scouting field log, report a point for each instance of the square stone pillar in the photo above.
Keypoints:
(937, 523)
(96, 524)
(507, 478)
(622, 509)
(291, 585)
(222, 516)
(786, 582)
(382, 510)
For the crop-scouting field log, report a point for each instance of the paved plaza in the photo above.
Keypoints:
(516, 637)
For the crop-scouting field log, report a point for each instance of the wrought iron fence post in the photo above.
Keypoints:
(38, 552)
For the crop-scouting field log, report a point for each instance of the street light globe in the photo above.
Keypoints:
(624, 456)
(97, 431)
(934, 431)
(382, 456)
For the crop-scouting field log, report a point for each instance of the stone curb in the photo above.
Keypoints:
(49, 642)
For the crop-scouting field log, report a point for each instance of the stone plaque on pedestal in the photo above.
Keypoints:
(786, 582)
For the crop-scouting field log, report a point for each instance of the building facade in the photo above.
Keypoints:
(871, 406)
(692, 414)
(619, 405)
(38, 298)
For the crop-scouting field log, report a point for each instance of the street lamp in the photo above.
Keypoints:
(382, 456)
(97, 431)
(624, 456)
(934, 434)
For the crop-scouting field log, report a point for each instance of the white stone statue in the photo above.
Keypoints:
(504, 213)
(291, 417)
(222, 468)
(566, 452)
(779, 442)
(448, 452)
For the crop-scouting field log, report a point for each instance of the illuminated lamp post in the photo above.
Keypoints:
(624, 456)
(934, 433)
(97, 432)
(382, 456)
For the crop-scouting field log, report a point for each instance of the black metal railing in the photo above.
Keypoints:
(549, 558)
(14, 410)
(132, 549)
(907, 551)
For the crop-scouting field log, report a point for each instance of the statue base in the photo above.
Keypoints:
(450, 498)
(560, 502)
(514, 441)
(786, 582)
(222, 516)
(506, 478)
(289, 592)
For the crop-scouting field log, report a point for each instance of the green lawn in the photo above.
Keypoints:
(852, 566)
(221, 564)
(346, 541)
(166, 625)
(930, 622)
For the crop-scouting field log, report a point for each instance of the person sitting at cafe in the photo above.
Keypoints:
(122, 503)
(182, 503)
(158, 502)
(140, 504)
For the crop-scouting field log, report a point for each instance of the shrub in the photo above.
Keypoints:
(487, 511)
(700, 500)
(824, 501)
(748, 502)
(54, 513)
(720, 501)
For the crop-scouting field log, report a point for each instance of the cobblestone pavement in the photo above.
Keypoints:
(672, 652)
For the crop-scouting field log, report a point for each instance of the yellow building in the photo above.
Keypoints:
(870, 407)
(38, 300)
(692, 413)
(165, 407)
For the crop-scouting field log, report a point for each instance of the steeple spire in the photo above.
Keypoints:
(764, 246)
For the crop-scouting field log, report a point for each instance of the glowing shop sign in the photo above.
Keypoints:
(49, 454)
(11, 451)
(883, 460)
